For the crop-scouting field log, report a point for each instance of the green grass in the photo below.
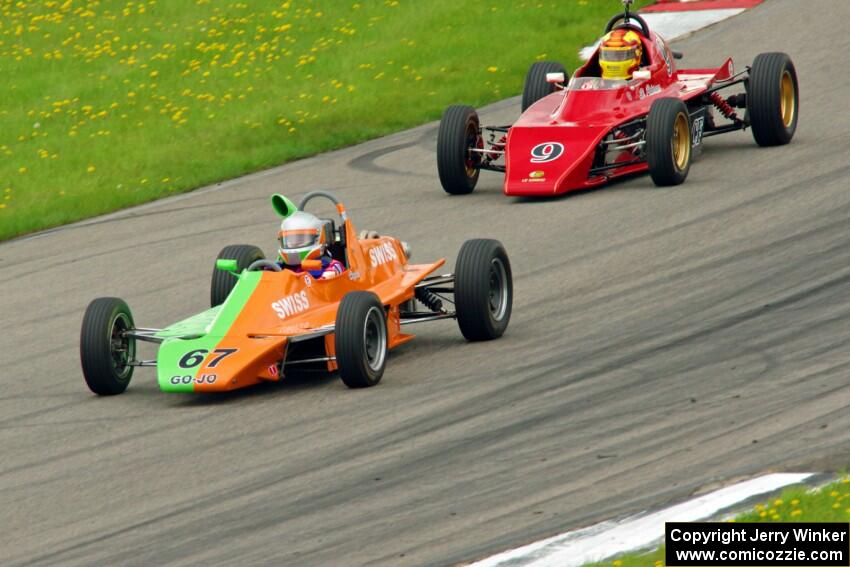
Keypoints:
(796, 504)
(108, 104)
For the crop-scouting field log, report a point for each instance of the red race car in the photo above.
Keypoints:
(579, 134)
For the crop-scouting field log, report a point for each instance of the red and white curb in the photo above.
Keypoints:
(674, 19)
(637, 532)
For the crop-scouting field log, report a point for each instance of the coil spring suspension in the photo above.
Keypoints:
(429, 299)
(724, 107)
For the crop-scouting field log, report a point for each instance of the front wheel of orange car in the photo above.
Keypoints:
(483, 291)
(106, 349)
(668, 141)
(360, 339)
(222, 283)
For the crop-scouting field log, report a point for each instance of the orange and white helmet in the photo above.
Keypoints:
(302, 237)
(620, 54)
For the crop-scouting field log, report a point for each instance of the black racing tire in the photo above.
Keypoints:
(104, 351)
(360, 339)
(535, 86)
(223, 282)
(668, 141)
(483, 291)
(773, 99)
(459, 131)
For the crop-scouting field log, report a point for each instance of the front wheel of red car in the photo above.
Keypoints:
(668, 141)
(105, 349)
(536, 86)
(772, 99)
(483, 291)
(459, 134)
(360, 339)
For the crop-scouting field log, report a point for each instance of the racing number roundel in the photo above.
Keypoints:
(547, 151)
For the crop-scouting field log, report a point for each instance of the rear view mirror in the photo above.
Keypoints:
(226, 265)
(555, 78)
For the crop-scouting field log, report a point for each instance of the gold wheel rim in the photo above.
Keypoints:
(470, 169)
(681, 144)
(788, 99)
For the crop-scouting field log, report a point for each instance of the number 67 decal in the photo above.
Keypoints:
(194, 357)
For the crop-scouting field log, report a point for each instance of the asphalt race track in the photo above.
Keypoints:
(663, 341)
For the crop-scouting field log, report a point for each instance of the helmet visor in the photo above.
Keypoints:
(292, 239)
(618, 55)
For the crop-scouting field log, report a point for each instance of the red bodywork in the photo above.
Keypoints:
(580, 119)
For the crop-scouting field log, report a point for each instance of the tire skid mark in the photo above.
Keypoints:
(366, 162)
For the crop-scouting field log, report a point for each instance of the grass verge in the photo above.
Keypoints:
(830, 503)
(108, 103)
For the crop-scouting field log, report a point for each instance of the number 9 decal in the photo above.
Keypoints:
(547, 151)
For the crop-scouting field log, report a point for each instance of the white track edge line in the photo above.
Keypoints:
(611, 538)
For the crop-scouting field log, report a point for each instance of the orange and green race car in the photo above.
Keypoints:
(266, 319)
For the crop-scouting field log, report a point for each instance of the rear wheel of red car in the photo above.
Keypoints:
(105, 349)
(223, 282)
(360, 339)
(668, 141)
(535, 86)
(483, 291)
(772, 99)
(459, 133)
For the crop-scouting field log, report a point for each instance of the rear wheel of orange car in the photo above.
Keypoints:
(360, 339)
(457, 163)
(483, 292)
(106, 350)
(773, 99)
(668, 141)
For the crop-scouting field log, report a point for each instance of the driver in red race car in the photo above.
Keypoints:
(620, 54)
(303, 237)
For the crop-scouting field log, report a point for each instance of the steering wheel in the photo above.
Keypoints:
(643, 25)
(263, 264)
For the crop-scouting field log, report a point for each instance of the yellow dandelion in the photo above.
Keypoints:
(22, 170)
(2, 205)
(492, 69)
(796, 512)
(90, 169)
